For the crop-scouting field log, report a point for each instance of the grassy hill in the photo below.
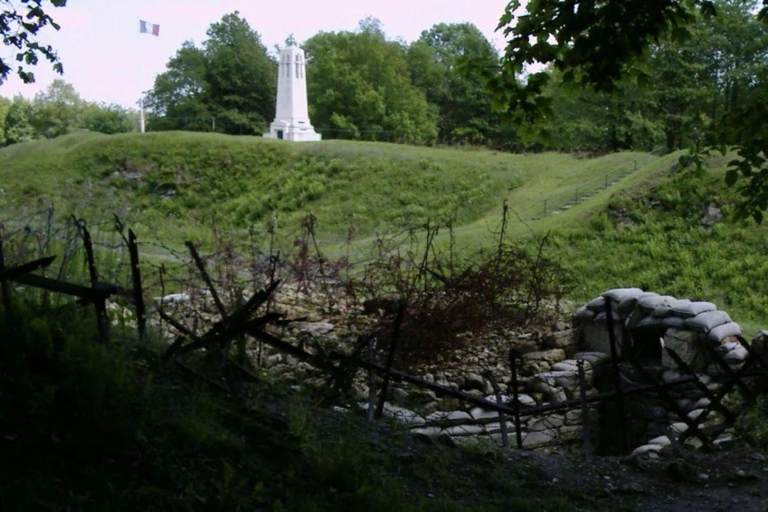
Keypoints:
(175, 180)
(643, 230)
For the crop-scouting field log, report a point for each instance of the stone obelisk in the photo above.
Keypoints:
(292, 116)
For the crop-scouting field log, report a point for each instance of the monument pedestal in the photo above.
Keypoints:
(291, 112)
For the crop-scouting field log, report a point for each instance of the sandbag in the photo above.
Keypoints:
(597, 304)
(705, 322)
(632, 320)
(692, 309)
(619, 294)
(674, 322)
(649, 303)
(662, 311)
(602, 316)
(584, 315)
(650, 322)
(724, 331)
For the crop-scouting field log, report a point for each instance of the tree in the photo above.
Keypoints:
(436, 62)
(18, 126)
(181, 92)
(359, 85)
(107, 119)
(57, 110)
(596, 44)
(241, 76)
(230, 78)
(5, 105)
(19, 28)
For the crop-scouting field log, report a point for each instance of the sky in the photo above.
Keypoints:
(107, 60)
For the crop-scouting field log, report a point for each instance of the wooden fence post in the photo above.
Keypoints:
(585, 433)
(138, 294)
(390, 359)
(616, 375)
(100, 301)
(502, 416)
(3, 283)
(515, 400)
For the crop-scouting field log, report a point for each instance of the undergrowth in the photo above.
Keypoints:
(90, 426)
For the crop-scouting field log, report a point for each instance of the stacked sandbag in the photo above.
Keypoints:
(684, 325)
(593, 325)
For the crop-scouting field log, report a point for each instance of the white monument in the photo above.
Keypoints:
(292, 116)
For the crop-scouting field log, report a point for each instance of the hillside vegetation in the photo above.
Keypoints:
(178, 180)
(643, 230)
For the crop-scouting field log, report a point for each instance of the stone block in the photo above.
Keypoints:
(597, 339)
(464, 430)
(685, 343)
(540, 438)
(478, 413)
(551, 356)
(553, 421)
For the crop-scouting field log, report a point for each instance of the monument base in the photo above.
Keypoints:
(294, 132)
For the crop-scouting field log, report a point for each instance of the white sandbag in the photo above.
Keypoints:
(626, 306)
(692, 309)
(650, 322)
(649, 303)
(724, 331)
(635, 318)
(705, 322)
(584, 315)
(619, 294)
(602, 316)
(662, 311)
(597, 304)
(674, 322)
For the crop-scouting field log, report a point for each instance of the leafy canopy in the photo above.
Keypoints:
(20, 23)
(597, 43)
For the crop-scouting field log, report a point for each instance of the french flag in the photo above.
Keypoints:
(149, 28)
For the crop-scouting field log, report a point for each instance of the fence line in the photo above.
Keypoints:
(342, 367)
(587, 189)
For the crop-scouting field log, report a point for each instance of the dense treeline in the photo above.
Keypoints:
(680, 88)
(57, 111)
(439, 89)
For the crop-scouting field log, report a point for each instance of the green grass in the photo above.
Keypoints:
(174, 186)
(176, 183)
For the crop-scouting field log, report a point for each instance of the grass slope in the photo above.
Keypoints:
(177, 181)
(642, 231)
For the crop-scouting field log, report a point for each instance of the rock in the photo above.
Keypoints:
(678, 428)
(713, 215)
(596, 338)
(478, 413)
(573, 417)
(464, 430)
(314, 328)
(661, 440)
(474, 381)
(449, 404)
(495, 428)
(647, 448)
(175, 298)
(553, 421)
(685, 344)
(537, 439)
(426, 433)
(695, 413)
(551, 356)
(560, 339)
(760, 344)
